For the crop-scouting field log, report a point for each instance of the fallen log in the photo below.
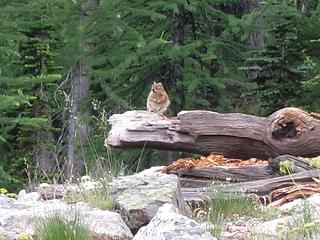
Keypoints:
(287, 131)
(281, 196)
(217, 167)
(299, 164)
(260, 187)
(239, 174)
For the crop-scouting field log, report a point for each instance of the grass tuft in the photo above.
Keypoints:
(57, 228)
(97, 197)
(228, 205)
(100, 199)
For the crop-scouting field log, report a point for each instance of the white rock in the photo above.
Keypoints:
(169, 224)
(89, 185)
(85, 178)
(298, 205)
(17, 217)
(314, 198)
(271, 228)
(44, 185)
(140, 195)
(291, 205)
(25, 197)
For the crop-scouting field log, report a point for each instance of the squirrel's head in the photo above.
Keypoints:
(157, 87)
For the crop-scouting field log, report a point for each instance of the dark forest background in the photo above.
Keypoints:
(67, 65)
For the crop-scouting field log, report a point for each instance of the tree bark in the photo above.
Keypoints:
(233, 174)
(260, 188)
(78, 130)
(299, 164)
(287, 131)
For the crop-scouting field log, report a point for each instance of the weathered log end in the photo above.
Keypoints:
(287, 131)
(294, 131)
(145, 129)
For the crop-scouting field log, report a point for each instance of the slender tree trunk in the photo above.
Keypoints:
(176, 71)
(77, 130)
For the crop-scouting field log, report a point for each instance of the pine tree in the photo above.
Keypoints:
(279, 66)
(192, 47)
(310, 99)
(188, 45)
(30, 75)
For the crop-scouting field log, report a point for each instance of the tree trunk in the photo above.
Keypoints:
(287, 131)
(77, 129)
(176, 69)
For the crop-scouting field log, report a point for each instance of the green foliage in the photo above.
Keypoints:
(303, 226)
(24, 236)
(315, 162)
(227, 205)
(186, 45)
(286, 167)
(279, 67)
(58, 228)
(8, 180)
(28, 82)
(312, 85)
(194, 47)
(94, 193)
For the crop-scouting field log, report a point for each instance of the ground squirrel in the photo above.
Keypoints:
(158, 100)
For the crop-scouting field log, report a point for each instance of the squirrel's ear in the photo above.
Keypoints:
(154, 83)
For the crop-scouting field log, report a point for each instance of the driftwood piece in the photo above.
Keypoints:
(54, 191)
(261, 187)
(300, 164)
(232, 174)
(280, 196)
(287, 131)
(195, 182)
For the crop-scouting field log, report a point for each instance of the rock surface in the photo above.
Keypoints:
(302, 212)
(139, 196)
(270, 229)
(19, 217)
(169, 224)
(298, 204)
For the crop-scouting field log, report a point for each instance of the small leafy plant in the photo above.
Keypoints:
(303, 225)
(315, 162)
(24, 236)
(286, 167)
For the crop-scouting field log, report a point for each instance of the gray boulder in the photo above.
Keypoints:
(168, 224)
(139, 196)
(20, 217)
